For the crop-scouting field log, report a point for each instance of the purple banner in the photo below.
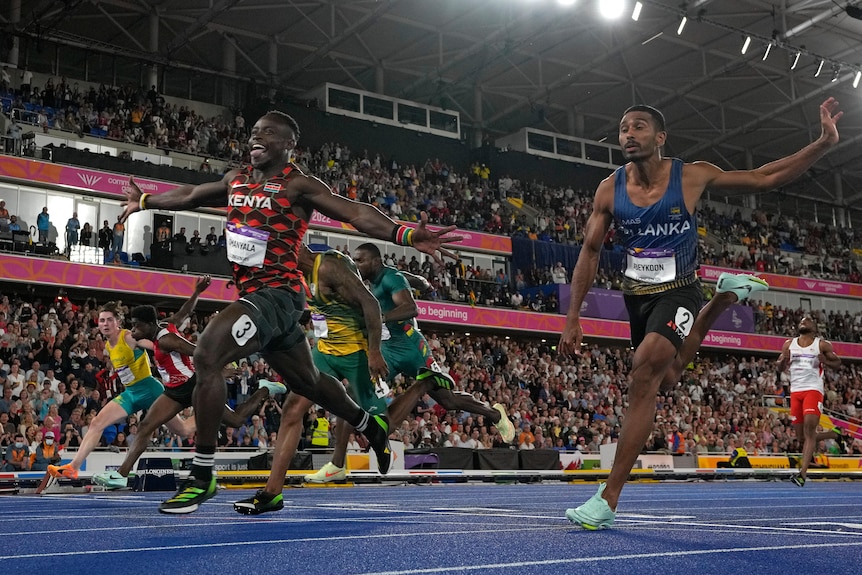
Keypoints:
(605, 304)
(739, 318)
(610, 304)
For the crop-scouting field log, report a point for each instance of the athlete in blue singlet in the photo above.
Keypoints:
(652, 200)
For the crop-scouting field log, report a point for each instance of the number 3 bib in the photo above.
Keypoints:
(246, 246)
(654, 266)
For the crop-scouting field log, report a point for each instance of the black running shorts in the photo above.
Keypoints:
(182, 394)
(276, 313)
(669, 313)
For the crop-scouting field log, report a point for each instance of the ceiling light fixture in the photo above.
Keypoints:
(795, 60)
(681, 26)
(636, 13)
(857, 78)
(766, 53)
(746, 44)
(819, 68)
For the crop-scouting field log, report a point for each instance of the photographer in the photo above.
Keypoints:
(271, 413)
(71, 437)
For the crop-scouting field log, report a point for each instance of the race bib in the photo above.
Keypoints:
(318, 320)
(246, 246)
(381, 388)
(654, 266)
(126, 376)
(384, 333)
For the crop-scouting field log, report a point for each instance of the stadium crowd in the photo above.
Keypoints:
(54, 381)
(469, 197)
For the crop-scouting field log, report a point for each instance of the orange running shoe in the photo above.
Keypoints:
(66, 471)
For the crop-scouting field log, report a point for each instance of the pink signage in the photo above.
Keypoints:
(116, 184)
(81, 178)
(122, 279)
(552, 325)
(125, 279)
(790, 283)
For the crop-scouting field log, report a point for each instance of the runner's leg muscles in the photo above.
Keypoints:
(289, 432)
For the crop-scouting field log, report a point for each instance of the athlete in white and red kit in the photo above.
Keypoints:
(173, 355)
(807, 355)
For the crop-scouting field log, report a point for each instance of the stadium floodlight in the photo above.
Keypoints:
(746, 44)
(612, 9)
(636, 13)
(681, 26)
(766, 53)
(566, 2)
(857, 78)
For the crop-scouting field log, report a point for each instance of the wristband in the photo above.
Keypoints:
(402, 236)
(143, 199)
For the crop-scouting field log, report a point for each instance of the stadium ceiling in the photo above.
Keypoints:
(506, 64)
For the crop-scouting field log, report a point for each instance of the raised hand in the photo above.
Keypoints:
(202, 284)
(431, 243)
(829, 120)
(133, 198)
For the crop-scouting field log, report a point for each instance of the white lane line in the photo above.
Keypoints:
(363, 537)
(628, 557)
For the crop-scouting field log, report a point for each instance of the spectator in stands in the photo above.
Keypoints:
(117, 235)
(47, 453)
(212, 238)
(26, 82)
(43, 225)
(194, 242)
(559, 274)
(87, 235)
(13, 224)
(14, 132)
(72, 227)
(71, 436)
(4, 217)
(105, 238)
(180, 236)
(17, 455)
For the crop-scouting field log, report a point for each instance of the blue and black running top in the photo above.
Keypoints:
(660, 240)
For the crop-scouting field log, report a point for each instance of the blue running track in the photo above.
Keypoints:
(744, 527)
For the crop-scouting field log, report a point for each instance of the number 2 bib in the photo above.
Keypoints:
(246, 246)
(654, 266)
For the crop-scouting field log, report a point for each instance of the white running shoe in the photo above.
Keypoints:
(743, 285)
(274, 387)
(327, 474)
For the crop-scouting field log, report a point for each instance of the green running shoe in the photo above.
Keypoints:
(191, 494)
(377, 434)
(262, 502)
(743, 285)
(594, 514)
(504, 426)
(111, 480)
